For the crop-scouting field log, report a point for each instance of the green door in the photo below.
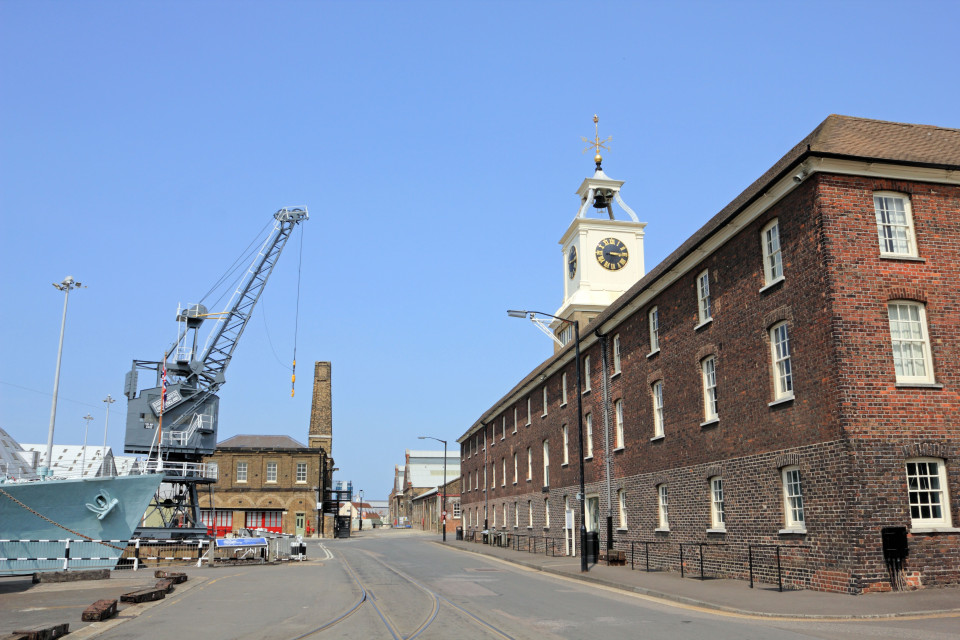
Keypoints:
(301, 521)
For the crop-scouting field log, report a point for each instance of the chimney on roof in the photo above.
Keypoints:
(321, 410)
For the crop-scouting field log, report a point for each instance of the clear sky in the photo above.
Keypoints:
(437, 146)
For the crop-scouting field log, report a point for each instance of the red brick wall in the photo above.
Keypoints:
(846, 428)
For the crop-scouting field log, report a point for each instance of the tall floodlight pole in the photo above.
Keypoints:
(109, 400)
(65, 286)
(580, 497)
(443, 491)
(83, 458)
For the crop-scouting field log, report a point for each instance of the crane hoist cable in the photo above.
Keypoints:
(296, 321)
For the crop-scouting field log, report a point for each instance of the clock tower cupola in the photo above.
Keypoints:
(602, 255)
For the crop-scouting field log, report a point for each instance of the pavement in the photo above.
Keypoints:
(733, 596)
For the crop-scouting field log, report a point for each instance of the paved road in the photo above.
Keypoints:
(398, 584)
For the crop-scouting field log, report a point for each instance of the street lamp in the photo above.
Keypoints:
(581, 497)
(83, 458)
(443, 500)
(109, 400)
(65, 286)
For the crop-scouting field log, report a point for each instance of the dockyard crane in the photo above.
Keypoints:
(175, 421)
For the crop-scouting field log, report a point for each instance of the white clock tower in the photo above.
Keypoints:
(602, 256)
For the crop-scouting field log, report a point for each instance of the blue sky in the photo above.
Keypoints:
(437, 146)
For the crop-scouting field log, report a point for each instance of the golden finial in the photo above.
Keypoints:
(596, 143)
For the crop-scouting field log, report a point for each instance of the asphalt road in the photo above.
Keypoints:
(399, 584)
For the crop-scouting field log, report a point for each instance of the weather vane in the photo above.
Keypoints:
(596, 143)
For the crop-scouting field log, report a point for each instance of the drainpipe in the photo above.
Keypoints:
(606, 432)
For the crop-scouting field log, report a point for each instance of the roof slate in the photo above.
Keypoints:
(260, 442)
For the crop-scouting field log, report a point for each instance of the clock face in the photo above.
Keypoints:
(612, 254)
(572, 261)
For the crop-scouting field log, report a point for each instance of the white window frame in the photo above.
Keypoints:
(546, 513)
(516, 515)
(515, 412)
(529, 409)
(301, 473)
(653, 322)
(544, 415)
(895, 230)
(503, 472)
(772, 255)
(588, 421)
(546, 463)
(704, 302)
(456, 510)
(515, 467)
(211, 470)
(241, 472)
(718, 518)
(494, 523)
(529, 464)
(503, 434)
(927, 495)
(563, 389)
(910, 342)
(484, 478)
(493, 475)
(708, 369)
(656, 390)
(271, 472)
(529, 514)
(782, 362)
(565, 430)
(616, 354)
(663, 521)
(622, 509)
(586, 374)
(793, 507)
(618, 423)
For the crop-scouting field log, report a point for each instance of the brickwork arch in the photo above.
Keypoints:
(907, 293)
(787, 460)
(927, 450)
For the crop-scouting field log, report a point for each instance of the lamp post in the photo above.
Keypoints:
(109, 401)
(65, 286)
(443, 500)
(83, 457)
(581, 497)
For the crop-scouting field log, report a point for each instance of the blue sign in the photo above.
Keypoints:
(241, 542)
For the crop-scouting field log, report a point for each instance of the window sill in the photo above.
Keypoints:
(703, 324)
(711, 422)
(662, 530)
(901, 257)
(767, 287)
(618, 449)
(586, 391)
(587, 458)
(621, 529)
(563, 404)
(919, 385)
(655, 438)
(780, 401)
(528, 424)
(616, 375)
(653, 353)
(797, 531)
(543, 415)
(528, 479)
(716, 531)
(514, 483)
(935, 529)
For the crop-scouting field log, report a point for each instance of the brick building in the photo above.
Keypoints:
(426, 508)
(785, 381)
(273, 482)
